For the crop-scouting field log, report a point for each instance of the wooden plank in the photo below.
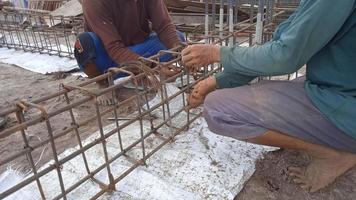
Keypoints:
(71, 8)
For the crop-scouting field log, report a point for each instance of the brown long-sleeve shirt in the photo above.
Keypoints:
(122, 23)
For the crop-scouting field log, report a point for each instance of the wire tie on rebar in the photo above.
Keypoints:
(21, 106)
(56, 166)
(75, 125)
(184, 44)
(159, 136)
(115, 70)
(26, 105)
(148, 72)
(101, 184)
(143, 162)
(97, 141)
(163, 52)
(28, 148)
(148, 60)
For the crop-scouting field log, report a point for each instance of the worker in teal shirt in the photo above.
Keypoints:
(315, 114)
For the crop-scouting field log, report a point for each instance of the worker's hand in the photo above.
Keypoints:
(200, 91)
(168, 72)
(200, 55)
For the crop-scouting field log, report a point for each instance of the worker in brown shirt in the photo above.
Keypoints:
(118, 31)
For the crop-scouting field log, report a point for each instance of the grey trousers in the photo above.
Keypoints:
(250, 111)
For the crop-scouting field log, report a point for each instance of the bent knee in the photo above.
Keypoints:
(213, 101)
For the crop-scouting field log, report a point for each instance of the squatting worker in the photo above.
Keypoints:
(119, 31)
(316, 115)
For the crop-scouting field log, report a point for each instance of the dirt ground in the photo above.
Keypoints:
(19, 84)
(269, 182)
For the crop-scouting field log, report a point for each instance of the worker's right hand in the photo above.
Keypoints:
(200, 91)
(200, 55)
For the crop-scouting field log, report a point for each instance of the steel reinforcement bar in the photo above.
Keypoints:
(164, 127)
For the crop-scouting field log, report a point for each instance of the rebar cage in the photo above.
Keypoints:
(39, 32)
(167, 115)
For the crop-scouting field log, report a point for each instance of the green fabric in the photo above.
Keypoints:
(321, 34)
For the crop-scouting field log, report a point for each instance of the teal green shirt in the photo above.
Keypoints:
(321, 34)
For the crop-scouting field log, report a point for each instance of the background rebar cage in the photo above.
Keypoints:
(39, 32)
(166, 115)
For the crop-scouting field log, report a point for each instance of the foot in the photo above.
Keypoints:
(322, 170)
(106, 100)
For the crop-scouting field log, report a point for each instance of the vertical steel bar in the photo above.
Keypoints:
(147, 103)
(114, 97)
(34, 35)
(189, 90)
(28, 45)
(46, 38)
(237, 12)
(206, 21)
(138, 102)
(167, 102)
(21, 118)
(16, 29)
(3, 40)
(39, 31)
(103, 142)
(76, 130)
(231, 21)
(237, 7)
(213, 15)
(259, 24)
(221, 19)
(55, 157)
(252, 2)
(55, 35)
(66, 38)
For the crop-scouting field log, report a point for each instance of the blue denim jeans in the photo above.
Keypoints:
(92, 49)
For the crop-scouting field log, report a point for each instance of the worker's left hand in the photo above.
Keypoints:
(200, 91)
(200, 55)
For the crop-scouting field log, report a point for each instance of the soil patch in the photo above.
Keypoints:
(270, 181)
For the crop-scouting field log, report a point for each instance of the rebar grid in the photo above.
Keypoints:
(164, 121)
(38, 32)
